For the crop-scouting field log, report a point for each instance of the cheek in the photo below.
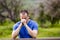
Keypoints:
(23, 16)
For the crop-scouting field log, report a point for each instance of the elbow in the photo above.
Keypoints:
(34, 35)
(13, 36)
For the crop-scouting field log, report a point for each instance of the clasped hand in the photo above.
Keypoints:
(23, 21)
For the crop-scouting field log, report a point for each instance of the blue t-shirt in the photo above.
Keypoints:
(23, 31)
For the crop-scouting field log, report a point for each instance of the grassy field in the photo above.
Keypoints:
(6, 30)
(48, 32)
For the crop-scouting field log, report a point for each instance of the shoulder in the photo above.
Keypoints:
(35, 25)
(16, 24)
(34, 22)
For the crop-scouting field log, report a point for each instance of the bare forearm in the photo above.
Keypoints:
(31, 32)
(16, 32)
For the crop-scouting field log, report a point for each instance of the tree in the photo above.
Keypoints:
(49, 11)
(53, 11)
(12, 7)
(41, 18)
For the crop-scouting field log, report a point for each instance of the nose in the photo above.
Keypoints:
(23, 17)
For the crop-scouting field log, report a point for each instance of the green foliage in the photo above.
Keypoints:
(6, 30)
(49, 12)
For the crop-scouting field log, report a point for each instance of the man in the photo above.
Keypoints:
(26, 28)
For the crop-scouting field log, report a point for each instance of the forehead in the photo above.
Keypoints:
(23, 13)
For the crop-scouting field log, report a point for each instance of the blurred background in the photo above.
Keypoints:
(45, 12)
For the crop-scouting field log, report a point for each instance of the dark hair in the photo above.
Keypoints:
(24, 11)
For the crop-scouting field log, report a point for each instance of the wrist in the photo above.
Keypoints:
(25, 24)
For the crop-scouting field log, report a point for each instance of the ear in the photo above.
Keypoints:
(28, 17)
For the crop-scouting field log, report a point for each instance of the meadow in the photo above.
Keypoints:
(7, 27)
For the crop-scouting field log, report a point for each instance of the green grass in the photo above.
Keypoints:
(6, 30)
(48, 32)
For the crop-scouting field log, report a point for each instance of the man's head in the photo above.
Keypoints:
(23, 14)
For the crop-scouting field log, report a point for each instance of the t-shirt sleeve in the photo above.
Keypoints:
(35, 26)
(15, 26)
